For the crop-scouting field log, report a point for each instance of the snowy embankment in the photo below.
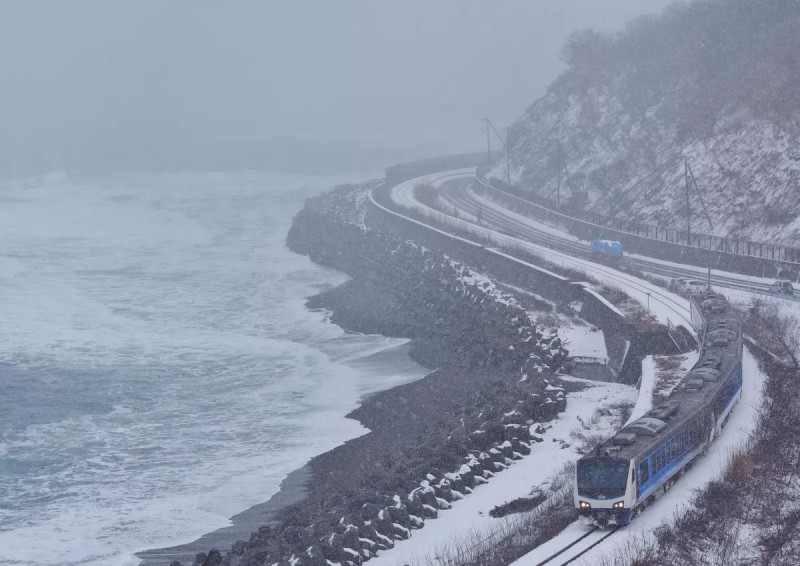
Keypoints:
(441, 533)
(471, 515)
(644, 402)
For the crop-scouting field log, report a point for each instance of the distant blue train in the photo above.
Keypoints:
(607, 251)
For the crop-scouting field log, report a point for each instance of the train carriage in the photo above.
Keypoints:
(624, 473)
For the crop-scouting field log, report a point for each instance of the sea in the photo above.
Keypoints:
(159, 371)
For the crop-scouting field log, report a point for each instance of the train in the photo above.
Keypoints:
(606, 251)
(624, 474)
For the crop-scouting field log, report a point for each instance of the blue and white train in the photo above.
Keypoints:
(628, 471)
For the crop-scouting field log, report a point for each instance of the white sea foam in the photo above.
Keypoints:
(161, 372)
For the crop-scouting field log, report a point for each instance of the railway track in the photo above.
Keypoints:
(529, 239)
(457, 194)
(574, 251)
(504, 226)
(573, 551)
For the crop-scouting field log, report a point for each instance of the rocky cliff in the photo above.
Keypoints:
(716, 81)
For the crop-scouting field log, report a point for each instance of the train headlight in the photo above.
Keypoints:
(584, 505)
(618, 505)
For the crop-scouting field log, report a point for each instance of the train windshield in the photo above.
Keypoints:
(602, 477)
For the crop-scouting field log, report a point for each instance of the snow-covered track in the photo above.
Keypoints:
(404, 196)
(460, 196)
(574, 251)
(571, 552)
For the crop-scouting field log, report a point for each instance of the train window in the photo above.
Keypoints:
(603, 476)
(643, 473)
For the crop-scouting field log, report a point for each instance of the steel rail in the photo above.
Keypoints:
(573, 558)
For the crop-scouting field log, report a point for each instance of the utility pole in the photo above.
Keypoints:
(688, 204)
(488, 144)
(558, 177)
(561, 164)
(508, 156)
(503, 144)
(690, 175)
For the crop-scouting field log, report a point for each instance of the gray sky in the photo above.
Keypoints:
(80, 77)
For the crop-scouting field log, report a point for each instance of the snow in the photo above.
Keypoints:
(488, 203)
(603, 300)
(585, 343)
(532, 266)
(471, 514)
(646, 385)
(487, 286)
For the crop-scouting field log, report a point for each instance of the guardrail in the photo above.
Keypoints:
(404, 171)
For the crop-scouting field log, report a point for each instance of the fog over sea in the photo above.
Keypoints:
(159, 371)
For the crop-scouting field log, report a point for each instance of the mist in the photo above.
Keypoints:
(300, 86)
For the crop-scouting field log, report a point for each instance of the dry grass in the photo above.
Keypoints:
(669, 371)
(603, 423)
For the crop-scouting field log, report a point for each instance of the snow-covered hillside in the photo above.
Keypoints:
(630, 107)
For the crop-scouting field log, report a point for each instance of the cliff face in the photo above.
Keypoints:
(717, 81)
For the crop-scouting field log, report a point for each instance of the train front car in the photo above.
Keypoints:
(605, 489)
(625, 473)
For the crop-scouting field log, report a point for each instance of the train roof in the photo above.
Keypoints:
(720, 352)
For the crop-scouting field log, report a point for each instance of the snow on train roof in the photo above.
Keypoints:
(695, 390)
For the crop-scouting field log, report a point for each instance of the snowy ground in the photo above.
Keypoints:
(471, 514)
(584, 342)
(644, 402)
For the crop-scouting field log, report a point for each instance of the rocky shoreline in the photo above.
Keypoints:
(430, 441)
(494, 382)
